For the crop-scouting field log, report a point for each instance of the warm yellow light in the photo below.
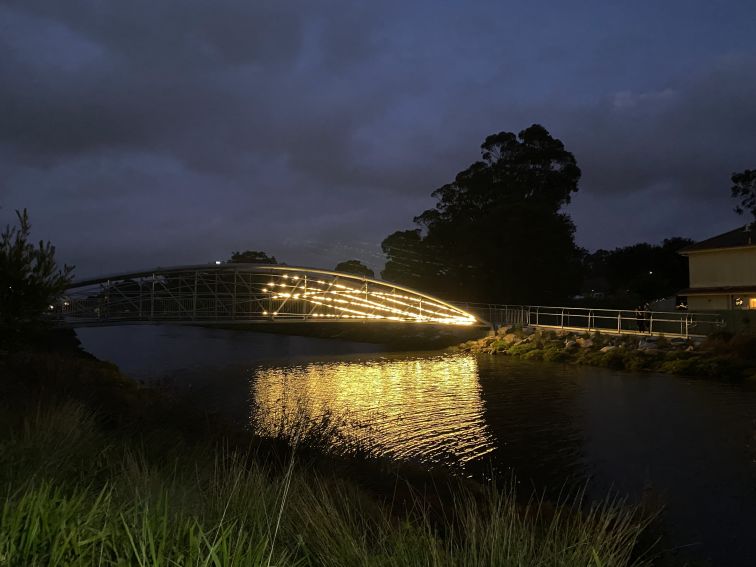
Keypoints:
(365, 301)
(386, 392)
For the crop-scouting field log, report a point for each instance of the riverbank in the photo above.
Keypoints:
(723, 356)
(113, 473)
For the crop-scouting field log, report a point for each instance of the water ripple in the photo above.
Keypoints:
(427, 409)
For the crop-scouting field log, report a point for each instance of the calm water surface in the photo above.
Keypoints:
(688, 444)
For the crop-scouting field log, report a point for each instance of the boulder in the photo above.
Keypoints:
(584, 343)
(528, 330)
(488, 341)
(646, 344)
(509, 338)
(570, 344)
(608, 348)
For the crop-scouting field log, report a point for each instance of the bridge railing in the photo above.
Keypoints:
(618, 321)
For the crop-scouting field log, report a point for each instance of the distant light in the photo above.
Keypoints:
(650, 273)
(217, 262)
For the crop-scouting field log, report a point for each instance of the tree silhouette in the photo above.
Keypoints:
(640, 272)
(354, 267)
(30, 280)
(744, 188)
(252, 257)
(497, 232)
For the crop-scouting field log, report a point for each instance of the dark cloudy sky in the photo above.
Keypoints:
(156, 132)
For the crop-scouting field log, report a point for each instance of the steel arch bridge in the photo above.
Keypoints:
(283, 299)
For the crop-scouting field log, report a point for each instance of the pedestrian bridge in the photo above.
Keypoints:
(283, 299)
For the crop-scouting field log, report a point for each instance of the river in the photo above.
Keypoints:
(688, 444)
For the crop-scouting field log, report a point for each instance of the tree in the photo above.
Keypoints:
(30, 280)
(252, 257)
(744, 188)
(497, 232)
(410, 260)
(640, 272)
(355, 267)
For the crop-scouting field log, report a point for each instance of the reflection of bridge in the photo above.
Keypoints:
(264, 297)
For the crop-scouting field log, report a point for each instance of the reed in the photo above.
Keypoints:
(76, 493)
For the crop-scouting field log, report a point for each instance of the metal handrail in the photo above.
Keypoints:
(673, 323)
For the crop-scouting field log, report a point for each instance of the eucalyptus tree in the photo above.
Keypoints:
(498, 231)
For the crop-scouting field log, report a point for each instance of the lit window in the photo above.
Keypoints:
(752, 303)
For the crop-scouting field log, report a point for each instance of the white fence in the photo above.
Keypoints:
(614, 321)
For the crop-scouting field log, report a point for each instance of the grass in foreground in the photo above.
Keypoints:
(95, 471)
(73, 496)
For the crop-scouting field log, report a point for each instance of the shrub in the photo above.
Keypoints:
(718, 342)
(591, 357)
(743, 346)
(614, 359)
(638, 361)
(523, 348)
(677, 355)
(535, 354)
(686, 367)
(556, 354)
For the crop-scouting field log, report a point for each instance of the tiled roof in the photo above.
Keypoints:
(734, 238)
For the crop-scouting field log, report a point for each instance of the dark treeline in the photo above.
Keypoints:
(499, 234)
(628, 276)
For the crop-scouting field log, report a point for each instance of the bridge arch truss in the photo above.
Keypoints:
(249, 293)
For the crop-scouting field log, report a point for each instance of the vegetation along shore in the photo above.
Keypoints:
(721, 356)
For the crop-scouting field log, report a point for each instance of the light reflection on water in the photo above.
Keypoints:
(429, 409)
(689, 442)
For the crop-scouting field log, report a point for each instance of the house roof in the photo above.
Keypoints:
(742, 236)
(719, 290)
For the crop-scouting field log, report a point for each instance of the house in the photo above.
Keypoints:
(722, 271)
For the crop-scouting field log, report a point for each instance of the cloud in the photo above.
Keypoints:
(154, 132)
